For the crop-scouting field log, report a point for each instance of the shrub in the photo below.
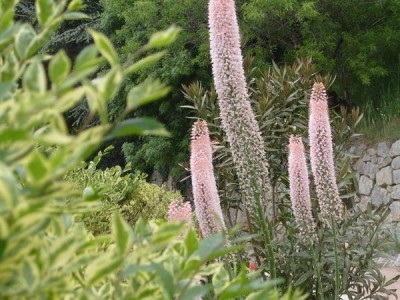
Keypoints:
(118, 190)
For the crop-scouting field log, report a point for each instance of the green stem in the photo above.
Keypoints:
(268, 237)
(337, 276)
(320, 290)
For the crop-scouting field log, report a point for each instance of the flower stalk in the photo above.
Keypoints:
(321, 155)
(299, 188)
(238, 120)
(205, 193)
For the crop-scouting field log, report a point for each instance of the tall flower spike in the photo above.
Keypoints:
(321, 154)
(205, 193)
(299, 188)
(238, 119)
(180, 211)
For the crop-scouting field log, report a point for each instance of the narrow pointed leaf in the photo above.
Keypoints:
(138, 126)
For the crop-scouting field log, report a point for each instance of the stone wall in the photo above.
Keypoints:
(378, 171)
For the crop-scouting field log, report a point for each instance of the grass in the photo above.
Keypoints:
(381, 120)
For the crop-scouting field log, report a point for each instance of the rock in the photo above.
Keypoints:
(383, 149)
(358, 164)
(371, 151)
(374, 159)
(365, 185)
(357, 149)
(396, 192)
(366, 157)
(394, 213)
(396, 163)
(362, 204)
(395, 149)
(369, 169)
(379, 196)
(384, 176)
(384, 161)
(396, 176)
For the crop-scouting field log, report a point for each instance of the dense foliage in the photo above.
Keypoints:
(118, 190)
(357, 42)
(45, 252)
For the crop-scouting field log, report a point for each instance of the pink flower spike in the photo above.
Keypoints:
(321, 154)
(299, 188)
(205, 193)
(180, 211)
(237, 117)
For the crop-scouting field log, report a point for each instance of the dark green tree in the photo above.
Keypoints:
(129, 23)
(357, 40)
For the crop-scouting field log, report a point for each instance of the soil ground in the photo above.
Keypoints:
(389, 273)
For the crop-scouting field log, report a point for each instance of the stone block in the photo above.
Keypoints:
(383, 149)
(362, 204)
(369, 169)
(358, 164)
(396, 192)
(384, 176)
(395, 149)
(396, 163)
(394, 212)
(371, 152)
(366, 157)
(379, 196)
(384, 161)
(365, 185)
(396, 176)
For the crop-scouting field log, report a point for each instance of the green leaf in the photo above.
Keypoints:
(23, 40)
(209, 245)
(37, 166)
(144, 62)
(166, 233)
(191, 242)
(30, 274)
(8, 188)
(89, 194)
(59, 67)
(7, 16)
(5, 88)
(137, 126)
(220, 279)
(10, 135)
(145, 93)
(122, 233)
(86, 58)
(6, 37)
(164, 38)
(44, 9)
(304, 277)
(96, 102)
(196, 292)
(165, 278)
(75, 5)
(102, 267)
(105, 47)
(109, 84)
(62, 250)
(34, 79)
(70, 99)
(75, 16)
